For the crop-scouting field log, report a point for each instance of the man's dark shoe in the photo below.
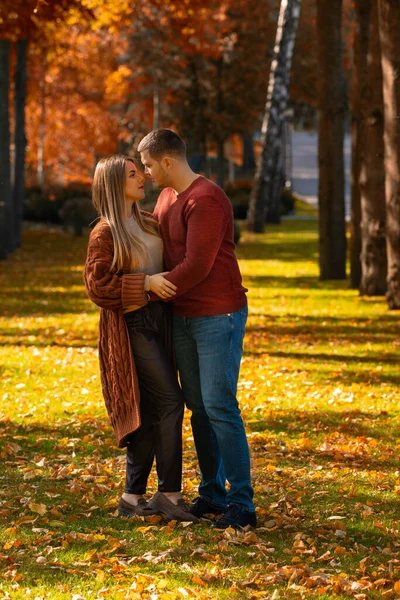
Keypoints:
(202, 506)
(162, 504)
(142, 508)
(236, 516)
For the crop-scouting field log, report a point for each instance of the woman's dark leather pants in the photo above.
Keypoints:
(161, 402)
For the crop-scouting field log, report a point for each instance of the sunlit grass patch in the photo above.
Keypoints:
(319, 392)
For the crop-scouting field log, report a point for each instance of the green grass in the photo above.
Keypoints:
(303, 208)
(319, 392)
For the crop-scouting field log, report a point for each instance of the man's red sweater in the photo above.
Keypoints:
(197, 230)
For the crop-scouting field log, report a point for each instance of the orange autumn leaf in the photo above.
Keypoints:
(41, 509)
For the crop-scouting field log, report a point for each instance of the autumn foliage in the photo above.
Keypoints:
(96, 71)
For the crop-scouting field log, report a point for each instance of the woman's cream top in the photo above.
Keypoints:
(154, 261)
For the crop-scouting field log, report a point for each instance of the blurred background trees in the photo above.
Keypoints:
(84, 79)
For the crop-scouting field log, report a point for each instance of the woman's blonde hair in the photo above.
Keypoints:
(108, 197)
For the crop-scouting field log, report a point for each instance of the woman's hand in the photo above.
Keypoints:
(161, 286)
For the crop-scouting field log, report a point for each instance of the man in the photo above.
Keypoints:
(210, 312)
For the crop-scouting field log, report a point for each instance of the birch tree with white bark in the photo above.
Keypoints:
(266, 190)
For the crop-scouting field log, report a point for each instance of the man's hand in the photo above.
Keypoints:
(161, 286)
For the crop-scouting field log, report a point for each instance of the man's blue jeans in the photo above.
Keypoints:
(208, 353)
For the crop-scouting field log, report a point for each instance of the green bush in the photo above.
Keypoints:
(44, 204)
(239, 194)
(77, 213)
(39, 207)
(287, 202)
(237, 231)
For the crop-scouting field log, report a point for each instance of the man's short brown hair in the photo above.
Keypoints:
(163, 142)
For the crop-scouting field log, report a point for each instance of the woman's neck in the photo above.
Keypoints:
(129, 209)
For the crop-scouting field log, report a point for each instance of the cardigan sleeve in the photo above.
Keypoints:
(110, 289)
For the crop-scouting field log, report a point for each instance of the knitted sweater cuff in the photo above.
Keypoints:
(133, 290)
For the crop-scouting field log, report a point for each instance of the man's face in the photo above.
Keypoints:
(155, 170)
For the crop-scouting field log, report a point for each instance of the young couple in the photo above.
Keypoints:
(191, 235)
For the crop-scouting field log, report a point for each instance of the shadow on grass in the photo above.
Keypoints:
(342, 358)
(350, 376)
(45, 276)
(294, 243)
(309, 282)
(59, 294)
(77, 343)
(40, 305)
(41, 439)
(375, 329)
(356, 423)
(361, 527)
(271, 282)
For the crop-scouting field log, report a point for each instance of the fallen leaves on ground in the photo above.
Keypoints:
(319, 394)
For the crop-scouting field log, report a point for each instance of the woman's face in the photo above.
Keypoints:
(134, 187)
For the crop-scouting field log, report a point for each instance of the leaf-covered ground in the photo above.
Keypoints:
(319, 391)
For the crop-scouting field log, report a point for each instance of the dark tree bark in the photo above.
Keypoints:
(156, 103)
(42, 124)
(220, 179)
(6, 220)
(361, 41)
(196, 135)
(265, 194)
(389, 30)
(332, 107)
(19, 138)
(248, 162)
(372, 174)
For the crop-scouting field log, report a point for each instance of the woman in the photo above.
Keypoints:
(138, 376)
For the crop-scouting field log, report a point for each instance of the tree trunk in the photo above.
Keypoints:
(389, 30)
(195, 135)
(265, 194)
(248, 162)
(6, 221)
(331, 100)
(288, 150)
(372, 174)
(42, 87)
(220, 179)
(156, 104)
(220, 164)
(361, 40)
(19, 138)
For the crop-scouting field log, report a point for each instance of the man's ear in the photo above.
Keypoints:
(166, 163)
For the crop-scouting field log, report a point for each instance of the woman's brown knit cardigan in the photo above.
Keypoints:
(113, 292)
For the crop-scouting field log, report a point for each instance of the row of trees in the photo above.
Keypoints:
(375, 105)
(100, 76)
(19, 20)
(375, 109)
(376, 151)
(265, 196)
(106, 75)
(10, 198)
